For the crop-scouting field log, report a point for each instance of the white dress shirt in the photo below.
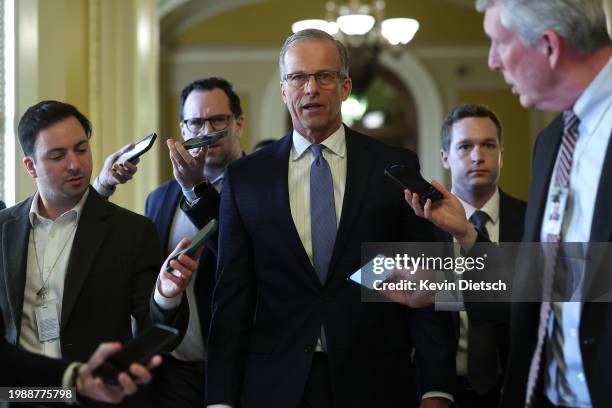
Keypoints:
(49, 248)
(192, 346)
(594, 108)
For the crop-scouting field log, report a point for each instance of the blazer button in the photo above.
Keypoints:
(308, 349)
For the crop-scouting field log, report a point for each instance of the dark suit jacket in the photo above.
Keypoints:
(492, 320)
(2, 205)
(268, 305)
(20, 368)
(112, 270)
(160, 207)
(596, 321)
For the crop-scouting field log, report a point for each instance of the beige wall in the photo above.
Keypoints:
(101, 56)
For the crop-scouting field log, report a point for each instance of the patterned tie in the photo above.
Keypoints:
(322, 212)
(479, 219)
(562, 176)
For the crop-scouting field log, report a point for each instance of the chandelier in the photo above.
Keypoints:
(359, 24)
(365, 32)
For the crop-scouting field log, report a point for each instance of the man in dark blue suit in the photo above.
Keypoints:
(472, 150)
(289, 329)
(206, 105)
(557, 56)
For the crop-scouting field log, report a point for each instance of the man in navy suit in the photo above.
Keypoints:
(556, 55)
(472, 151)
(289, 329)
(179, 208)
(206, 105)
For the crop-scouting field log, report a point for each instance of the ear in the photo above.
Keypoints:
(240, 124)
(347, 87)
(444, 158)
(283, 91)
(501, 157)
(30, 166)
(554, 46)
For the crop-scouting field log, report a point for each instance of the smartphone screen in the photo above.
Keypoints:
(138, 150)
(411, 179)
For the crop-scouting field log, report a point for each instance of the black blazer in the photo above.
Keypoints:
(596, 320)
(20, 368)
(492, 319)
(112, 270)
(160, 207)
(268, 305)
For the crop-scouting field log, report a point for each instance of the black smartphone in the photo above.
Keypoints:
(202, 236)
(206, 140)
(140, 350)
(410, 178)
(139, 149)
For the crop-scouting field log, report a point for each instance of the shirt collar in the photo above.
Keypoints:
(336, 143)
(593, 103)
(491, 207)
(36, 218)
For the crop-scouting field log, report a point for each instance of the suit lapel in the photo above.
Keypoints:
(167, 208)
(88, 239)
(511, 220)
(15, 236)
(358, 168)
(281, 208)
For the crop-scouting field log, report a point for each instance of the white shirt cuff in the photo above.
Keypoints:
(438, 394)
(103, 191)
(190, 196)
(164, 302)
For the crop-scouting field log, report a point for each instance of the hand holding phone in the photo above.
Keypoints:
(410, 178)
(206, 140)
(139, 350)
(203, 236)
(139, 149)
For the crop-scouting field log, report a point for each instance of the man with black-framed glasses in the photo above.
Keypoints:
(179, 208)
(206, 105)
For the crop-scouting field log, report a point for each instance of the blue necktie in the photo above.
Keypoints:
(322, 212)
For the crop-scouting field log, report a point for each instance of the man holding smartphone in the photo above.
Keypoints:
(76, 266)
(557, 56)
(182, 206)
(179, 208)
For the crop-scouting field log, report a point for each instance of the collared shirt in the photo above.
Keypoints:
(565, 382)
(491, 207)
(192, 346)
(49, 248)
(300, 160)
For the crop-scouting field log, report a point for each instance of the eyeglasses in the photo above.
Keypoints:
(323, 78)
(217, 122)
